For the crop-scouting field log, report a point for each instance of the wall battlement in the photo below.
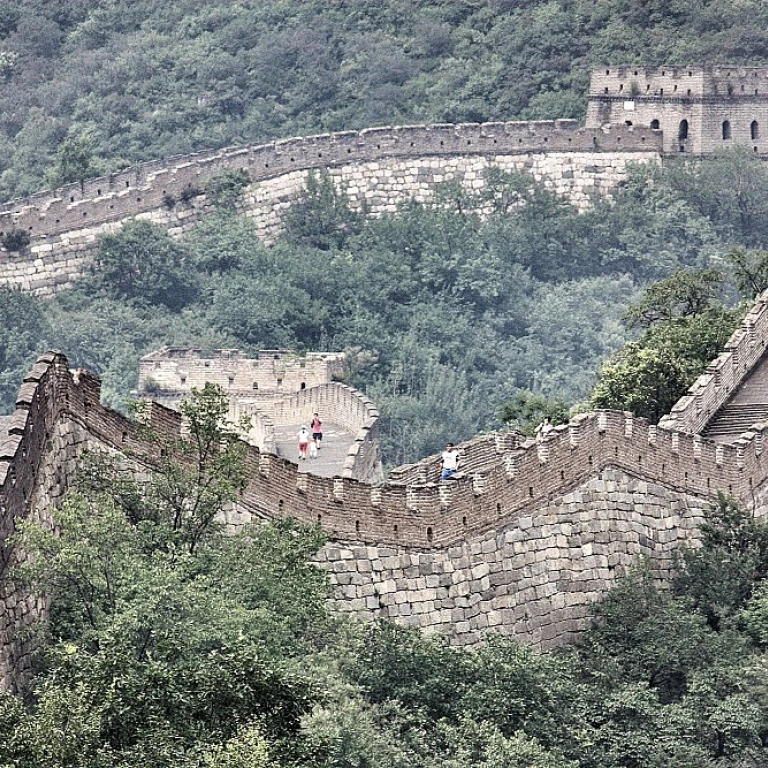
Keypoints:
(379, 168)
(698, 110)
(725, 373)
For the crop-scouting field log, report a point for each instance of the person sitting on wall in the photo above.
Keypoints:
(543, 429)
(450, 465)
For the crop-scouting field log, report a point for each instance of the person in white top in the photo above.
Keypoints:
(450, 466)
(303, 438)
(543, 429)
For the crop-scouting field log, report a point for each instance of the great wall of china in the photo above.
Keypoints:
(379, 168)
(532, 534)
(522, 544)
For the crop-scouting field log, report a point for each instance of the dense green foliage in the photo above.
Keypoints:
(89, 86)
(686, 325)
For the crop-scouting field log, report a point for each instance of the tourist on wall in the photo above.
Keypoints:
(317, 430)
(450, 465)
(313, 446)
(543, 429)
(303, 437)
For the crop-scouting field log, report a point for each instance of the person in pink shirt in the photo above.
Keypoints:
(317, 430)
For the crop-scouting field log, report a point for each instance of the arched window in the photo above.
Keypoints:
(683, 132)
(754, 130)
(655, 125)
(726, 129)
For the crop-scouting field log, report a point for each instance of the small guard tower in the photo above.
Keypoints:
(699, 110)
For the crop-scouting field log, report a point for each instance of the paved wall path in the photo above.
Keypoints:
(330, 457)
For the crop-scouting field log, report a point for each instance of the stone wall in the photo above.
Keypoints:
(704, 98)
(533, 578)
(276, 387)
(178, 370)
(378, 167)
(522, 544)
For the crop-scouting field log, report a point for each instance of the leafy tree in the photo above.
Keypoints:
(527, 410)
(322, 217)
(684, 294)
(730, 190)
(194, 475)
(165, 646)
(23, 328)
(720, 576)
(226, 189)
(16, 240)
(142, 263)
(685, 329)
(750, 271)
(75, 162)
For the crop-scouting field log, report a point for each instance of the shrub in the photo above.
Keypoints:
(16, 240)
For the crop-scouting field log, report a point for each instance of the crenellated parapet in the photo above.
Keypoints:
(379, 168)
(521, 543)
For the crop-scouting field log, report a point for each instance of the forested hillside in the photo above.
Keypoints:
(92, 85)
(445, 315)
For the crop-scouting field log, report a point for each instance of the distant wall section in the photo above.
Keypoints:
(378, 167)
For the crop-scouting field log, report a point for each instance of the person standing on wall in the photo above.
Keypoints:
(303, 438)
(317, 430)
(450, 465)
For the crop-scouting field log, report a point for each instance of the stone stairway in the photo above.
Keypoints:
(330, 458)
(748, 405)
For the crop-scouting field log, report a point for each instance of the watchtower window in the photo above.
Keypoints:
(683, 131)
(655, 125)
(726, 129)
(628, 122)
(754, 130)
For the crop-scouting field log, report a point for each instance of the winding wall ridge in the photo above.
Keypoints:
(557, 520)
(724, 374)
(349, 408)
(380, 166)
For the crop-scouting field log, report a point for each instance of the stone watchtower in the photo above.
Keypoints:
(699, 110)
